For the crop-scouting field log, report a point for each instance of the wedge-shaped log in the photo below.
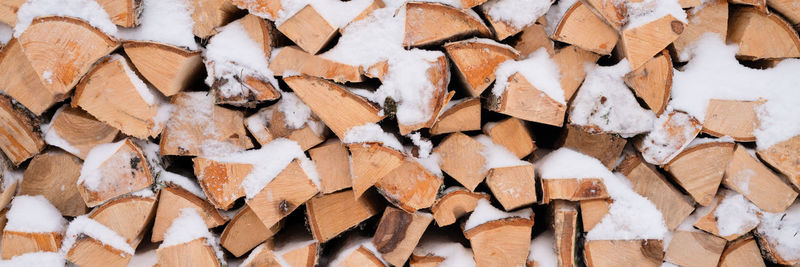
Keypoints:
(270, 123)
(741, 253)
(338, 108)
(565, 231)
(512, 134)
(461, 158)
(513, 186)
(332, 214)
(210, 14)
(709, 224)
(123, 13)
(513, 251)
(593, 211)
(172, 200)
(18, 243)
(369, 163)
(308, 29)
(582, 28)
(737, 119)
(600, 253)
(19, 79)
(694, 248)
(652, 82)
(128, 216)
(757, 183)
(641, 43)
(462, 116)
(221, 181)
(290, 253)
(54, 175)
(612, 12)
(454, 204)
(292, 59)
(80, 130)
(784, 157)
(476, 61)
(532, 38)
(699, 169)
(571, 60)
(789, 9)
(761, 35)
(710, 17)
(8, 11)
(361, 256)
(90, 252)
(285, 193)
(522, 100)
(668, 138)
(20, 141)
(605, 147)
(438, 74)
(268, 7)
(245, 231)
(169, 68)
(123, 171)
(398, 233)
(573, 189)
(410, 186)
(333, 165)
(195, 253)
(434, 23)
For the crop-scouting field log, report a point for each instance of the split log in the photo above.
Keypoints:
(571, 60)
(80, 130)
(513, 251)
(674, 133)
(434, 23)
(410, 186)
(651, 184)
(761, 35)
(720, 121)
(377, 70)
(710, 17)
(128, 216)
(54, 175)
(398, 234)
(593, 211)
(612, 12)
(332, 214)
(221, 181)
(374, 5)
(565, 228)
(461, 158)
(460, 117)
(337, 107)
(605, 147)
(292, 60)
(291, 253)
(784, 157)
(769, 252)
(652, 82)
(169, 68)
(512, 134)
(20, 138)
(690, 248)
(641, 43)
(573, 189)
(476, 61)
(532, 38)
(267, 7)
(513, 187)
(195, 253)
(425, 260)
(89, 252)
(171, 200)
(758, 4)
(757, 183)
(125, 170)
(360, 257)
(522, 100)
(333, 165)
(699, 169)
(582, 28)
(789, 9)
(210, 14)
(18, 243)
(369, 162)
(308, 29)
(455, 204)
(113, 93)
(742, 253)
(245, 231)
(60, 50)
(271, 123)
(438, 74)
(8, 11)
(285, 193)
(198, 127)
(708, 222)
(601, 253)
(501, 29)
(124, 13)
(20, 80)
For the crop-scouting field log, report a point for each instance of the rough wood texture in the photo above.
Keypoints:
(513, 251)
(333, 166)
(512, 134)
(757, 183)
(362, 257)
(694, 249)
(455, 204)
(742, 253)
(699, 169)
(761, 35)
(81, 130)
(221, 181)
(602, 253)
(245, 231)
(332, 214)
(169, 68)
(128, 216)
(210, 14)
(195, 253)
(514, 186)
(20, 140)
(532, 38)
(573, 189)
(501, 29)
(285, 193)
(19, 80)
(593, 211)
(410, 186)
(613, 13)
(461, 159)
(522, 100)
(570, 60)
(463, 116)
(652, 81)
(270, 123)
(308, 29)
(565, 230)
(123, 13)
(398, 233)
(54, 175)
(788, 8)
(605, 147)
(123, 172)
(293, 59)
(269, 7)
(170, 202)
(8, 11)
(710, 17)
(784, 157)
(18, 243)
(433, 23)
(582, 28)
(476, 62)
(737, 119)
(641, 43)
(91, 252)
(708, 222)
(369, 163)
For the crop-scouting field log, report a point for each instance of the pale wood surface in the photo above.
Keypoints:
(593, 211)
(54, 174)
(333, 165)
(410, 186)
(605, 147)
(171, 201)
(433, 23)
(19, 141)
(532, 38)
(565, 230)
(21, 81)
(756, 182)
(522, 100)
(760, 35)
(461, 159)
(308, 29)
(90, 252)
(438, 74)
(641, 43)
(293, 59)
(571, 60)
(369, 163)
(513, 251)
(788, 8)
(784, 157)
(694, 249)
(127, 216)
(609, 253)
(398, 233)
(18, 243)
(710, 17)
(573, 189)
(741, 253)
(123, 172)
(332, 214)
(582, 28)
(210, 14)
(514, 186)
(652, 81)
(195, 253)
(464, 116)
(699, 169)
(81, 130)
(221, 181)
(455, 204)
(285, 193)
(737, 119)
(169, 68)
(477, 61)
(708, 223)
(512, 134)
(245, 231)
(123, 13)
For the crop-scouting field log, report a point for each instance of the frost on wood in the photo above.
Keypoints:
(539, 69)
(484, 212)
(34, 214)
(508, 11)
(735, 214)
(87, 10)
(781, 231)
(164, 21)
(84, 226)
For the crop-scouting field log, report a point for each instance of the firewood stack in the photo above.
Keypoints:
(400, 133)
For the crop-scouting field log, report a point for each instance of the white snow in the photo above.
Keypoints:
(5, 33)
(641, 13)
(704, 140)
(543, 250)
(183, 182)
(484, 212)
(371, 132)
(152, 154)
(34, 214)
(39, 259)
(425, 146)
(87, 10)
(663, 143)
(555, 14)
(10, 177)
(714, 73)
(296, 113)
(540, 71)
(164, 21)
(735, 214)
(337, 13)
(431, 164)
(454, 254)
(518, 13)
(91, 175)
(782, 230)
(83, 225)
(188, 226)
(497, 156)
(51, 137)
(147, 258)
(606, 102)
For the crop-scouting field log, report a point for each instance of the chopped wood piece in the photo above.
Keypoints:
(285, 193)
(195, 253)
(757, 183)
(513, 251)
(593, 211)
(614, 13)
(169, 68)
(60, 50)
(221, 181)
(768, 251)
(512, 134)
(307, 255)
(124, 171)
(463, 116)
(20, 80)
(758, 4)
(361, 257)
(18, 243)
(267, 7)
(455, 204)
(652, 81)
(291, 253)
(369, 162)
(8, 11)
(605, 147)
(398, 234)
(410, 186)
(308, 29)
(710, 17)
(80, 130)
(292, 59)
(425, 261)
(788, 8)
(19, 138)
(210, 14)
(690, 3)
(532, 38)
(668, 138)
(332, 214)
(374, 5)
(641, 43)
(761, 35)
(114, 94)
(565, 228)
(333, 165)
(433, 23)
(130, 216)
(476, 62)
(734, 118)
(198, 127)
(573, 189)
(601, 253)
(54, 175)
(699, 169)
(651, 184)
(170, 202)
(514, 186)
(270, 123)
(741, 253)
(461, 158)
(785, 157)
(522, 100)
(708, 223)
(124, 13)
(337, 107)
(89, 252)
(689, 248)
(438, 74)
(582, 28)
(571, 60)
(245, 231)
